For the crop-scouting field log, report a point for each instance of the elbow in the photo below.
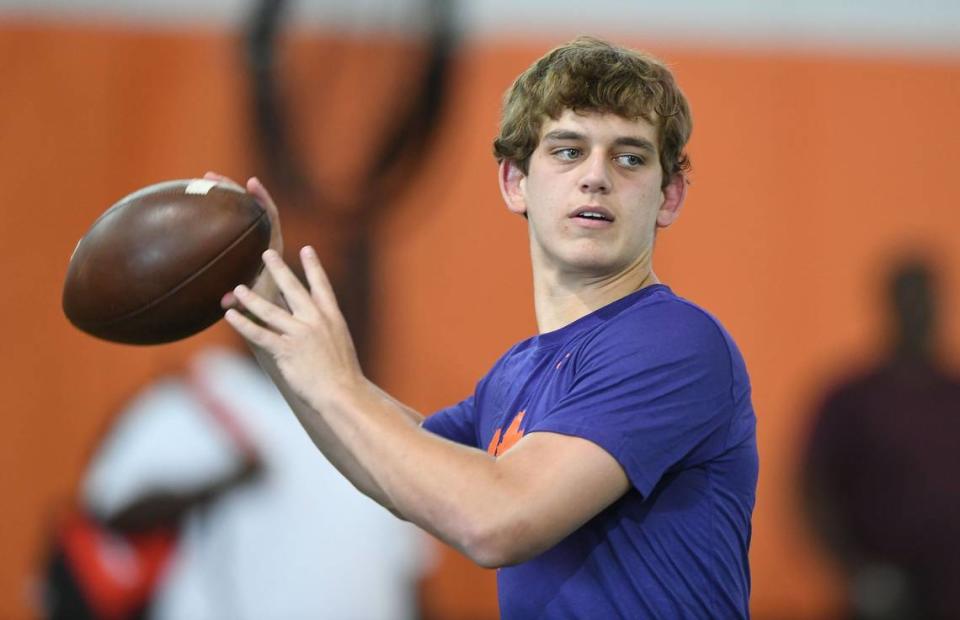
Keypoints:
(498, 546)
(486, 555)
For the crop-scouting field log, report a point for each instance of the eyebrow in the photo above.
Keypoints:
(635, 141)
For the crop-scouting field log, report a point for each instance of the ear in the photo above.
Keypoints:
(512, 186)
(674, 194)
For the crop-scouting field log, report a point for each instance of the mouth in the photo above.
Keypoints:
(593, 213)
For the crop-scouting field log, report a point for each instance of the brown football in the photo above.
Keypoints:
(155, 265)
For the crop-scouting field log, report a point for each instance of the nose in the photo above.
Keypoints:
(596, 176)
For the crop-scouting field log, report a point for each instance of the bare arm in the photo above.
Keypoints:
(497, 510)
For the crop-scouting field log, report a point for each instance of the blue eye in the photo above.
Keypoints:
(630, 160)
(567, 154)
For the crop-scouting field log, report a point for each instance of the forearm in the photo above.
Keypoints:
(321, 435)
(376, 442)
(455, 492)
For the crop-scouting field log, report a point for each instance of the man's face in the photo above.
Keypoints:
(593, 195)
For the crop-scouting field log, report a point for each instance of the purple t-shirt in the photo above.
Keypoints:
(658, 383)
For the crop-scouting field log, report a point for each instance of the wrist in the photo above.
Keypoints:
(343, 394)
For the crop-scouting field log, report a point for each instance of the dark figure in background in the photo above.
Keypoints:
(882, 476)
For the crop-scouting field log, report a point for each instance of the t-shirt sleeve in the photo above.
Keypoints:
(456, 423)
(657, 396)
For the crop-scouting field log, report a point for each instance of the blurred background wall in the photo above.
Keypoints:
(824, 144)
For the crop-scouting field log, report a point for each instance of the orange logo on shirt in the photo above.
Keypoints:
(500, 445)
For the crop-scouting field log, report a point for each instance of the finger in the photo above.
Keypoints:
(297, 297)
(260, 336)
(256, 188)
(261, 309)
(229, 300)
(320, 287)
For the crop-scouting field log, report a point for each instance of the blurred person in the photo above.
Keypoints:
(881, 467)
(608, 465)
(203, 494)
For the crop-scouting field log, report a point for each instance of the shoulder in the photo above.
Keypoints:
(663, 327)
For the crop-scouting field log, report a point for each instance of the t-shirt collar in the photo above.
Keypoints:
(598, 316)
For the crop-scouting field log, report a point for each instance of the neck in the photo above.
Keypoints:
(562, 299)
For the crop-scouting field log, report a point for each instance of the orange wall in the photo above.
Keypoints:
(809, 171)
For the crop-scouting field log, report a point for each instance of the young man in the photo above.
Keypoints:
(608, 464)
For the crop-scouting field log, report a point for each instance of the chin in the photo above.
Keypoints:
(594, 264)
(589, 258)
